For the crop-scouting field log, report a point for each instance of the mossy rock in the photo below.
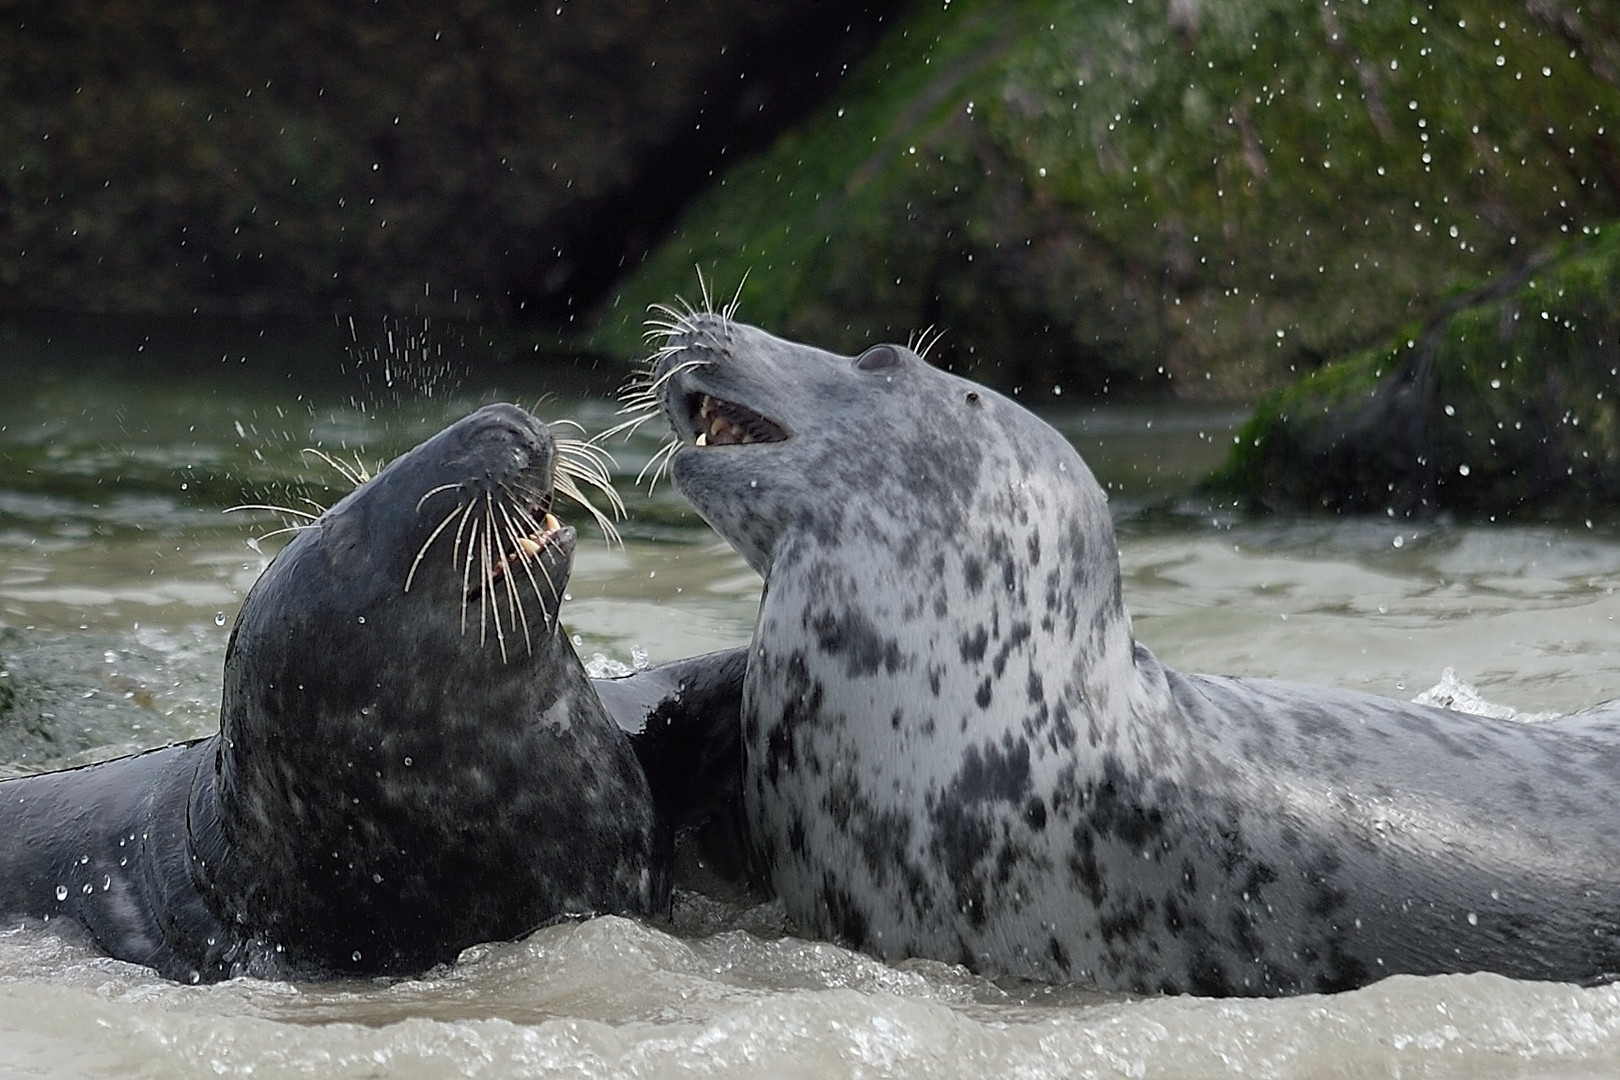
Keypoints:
(1507, 406)
(1164, 194)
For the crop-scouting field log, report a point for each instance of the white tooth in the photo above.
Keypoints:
(551, 523)
(528, 547)
(703, 438)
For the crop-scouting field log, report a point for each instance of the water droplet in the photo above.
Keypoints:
(219, 618)
(1463, 470)
(61, 892)
(1399, 541)
(355, 956)
(1473, 919)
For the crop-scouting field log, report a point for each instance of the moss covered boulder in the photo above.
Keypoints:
(1507, 405)
(1168, 194)
(473, 159)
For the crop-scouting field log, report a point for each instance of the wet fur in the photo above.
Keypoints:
(954, 747)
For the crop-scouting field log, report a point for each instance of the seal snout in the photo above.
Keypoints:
(719, 422)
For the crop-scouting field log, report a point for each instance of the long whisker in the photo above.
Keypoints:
(262, 537)
(527, 519)
(356, 474)
(515, 602)
(457, 486)
(422, 551)
(659, 463)
(272, 509)
(736, 298)
(490, 607)
(466, 571)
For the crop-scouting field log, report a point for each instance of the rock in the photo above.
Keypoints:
(1508, 405)
(470, 159)
(1167, 196)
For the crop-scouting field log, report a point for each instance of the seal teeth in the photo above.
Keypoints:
(529, 548)
(725, 423)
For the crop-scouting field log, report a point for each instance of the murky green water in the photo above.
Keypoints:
(122, 445)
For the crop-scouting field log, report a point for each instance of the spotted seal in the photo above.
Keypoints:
(411, 758)
(955, 748)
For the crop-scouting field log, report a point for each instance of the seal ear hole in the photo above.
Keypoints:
(877, 358)
(972, 397)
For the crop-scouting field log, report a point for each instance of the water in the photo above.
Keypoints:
(119, 576)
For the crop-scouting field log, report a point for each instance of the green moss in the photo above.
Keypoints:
(1509, 404)
(1095, 195)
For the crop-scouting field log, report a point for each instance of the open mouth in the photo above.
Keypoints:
(726, 423)
(517, 551)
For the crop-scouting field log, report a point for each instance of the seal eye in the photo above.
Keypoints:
(877, 358)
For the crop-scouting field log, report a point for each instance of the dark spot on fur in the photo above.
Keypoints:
(982, 695)
(973, 645)
(1059, 955)
(1017, 634)
(973, 574)
(854, 637)
(1035, 813)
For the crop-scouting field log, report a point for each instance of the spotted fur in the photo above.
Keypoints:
(954, 747)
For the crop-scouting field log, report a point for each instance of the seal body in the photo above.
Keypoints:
(954, 747)
(411, 758)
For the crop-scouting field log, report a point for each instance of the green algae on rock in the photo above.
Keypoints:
(1508, 405)
(1165, 194)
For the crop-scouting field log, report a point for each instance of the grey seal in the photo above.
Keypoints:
(411, 759)
(955, 748)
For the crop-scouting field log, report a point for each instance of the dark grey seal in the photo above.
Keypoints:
(411, 759)
(954, 747)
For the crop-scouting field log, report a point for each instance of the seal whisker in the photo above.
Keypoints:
(582, 462)
(273, 509)
(514, 601)
(355, 474)
(658, 463)
(925, 340)
(554, 619)
(467, 519)
(490, 605)
(422, 551)
(736, 298)
(457, 486)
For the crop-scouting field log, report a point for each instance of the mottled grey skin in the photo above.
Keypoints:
(386, 788)
(954, 748)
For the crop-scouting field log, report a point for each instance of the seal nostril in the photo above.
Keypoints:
(877, 358)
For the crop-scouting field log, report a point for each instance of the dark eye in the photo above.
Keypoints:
(877, 358)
